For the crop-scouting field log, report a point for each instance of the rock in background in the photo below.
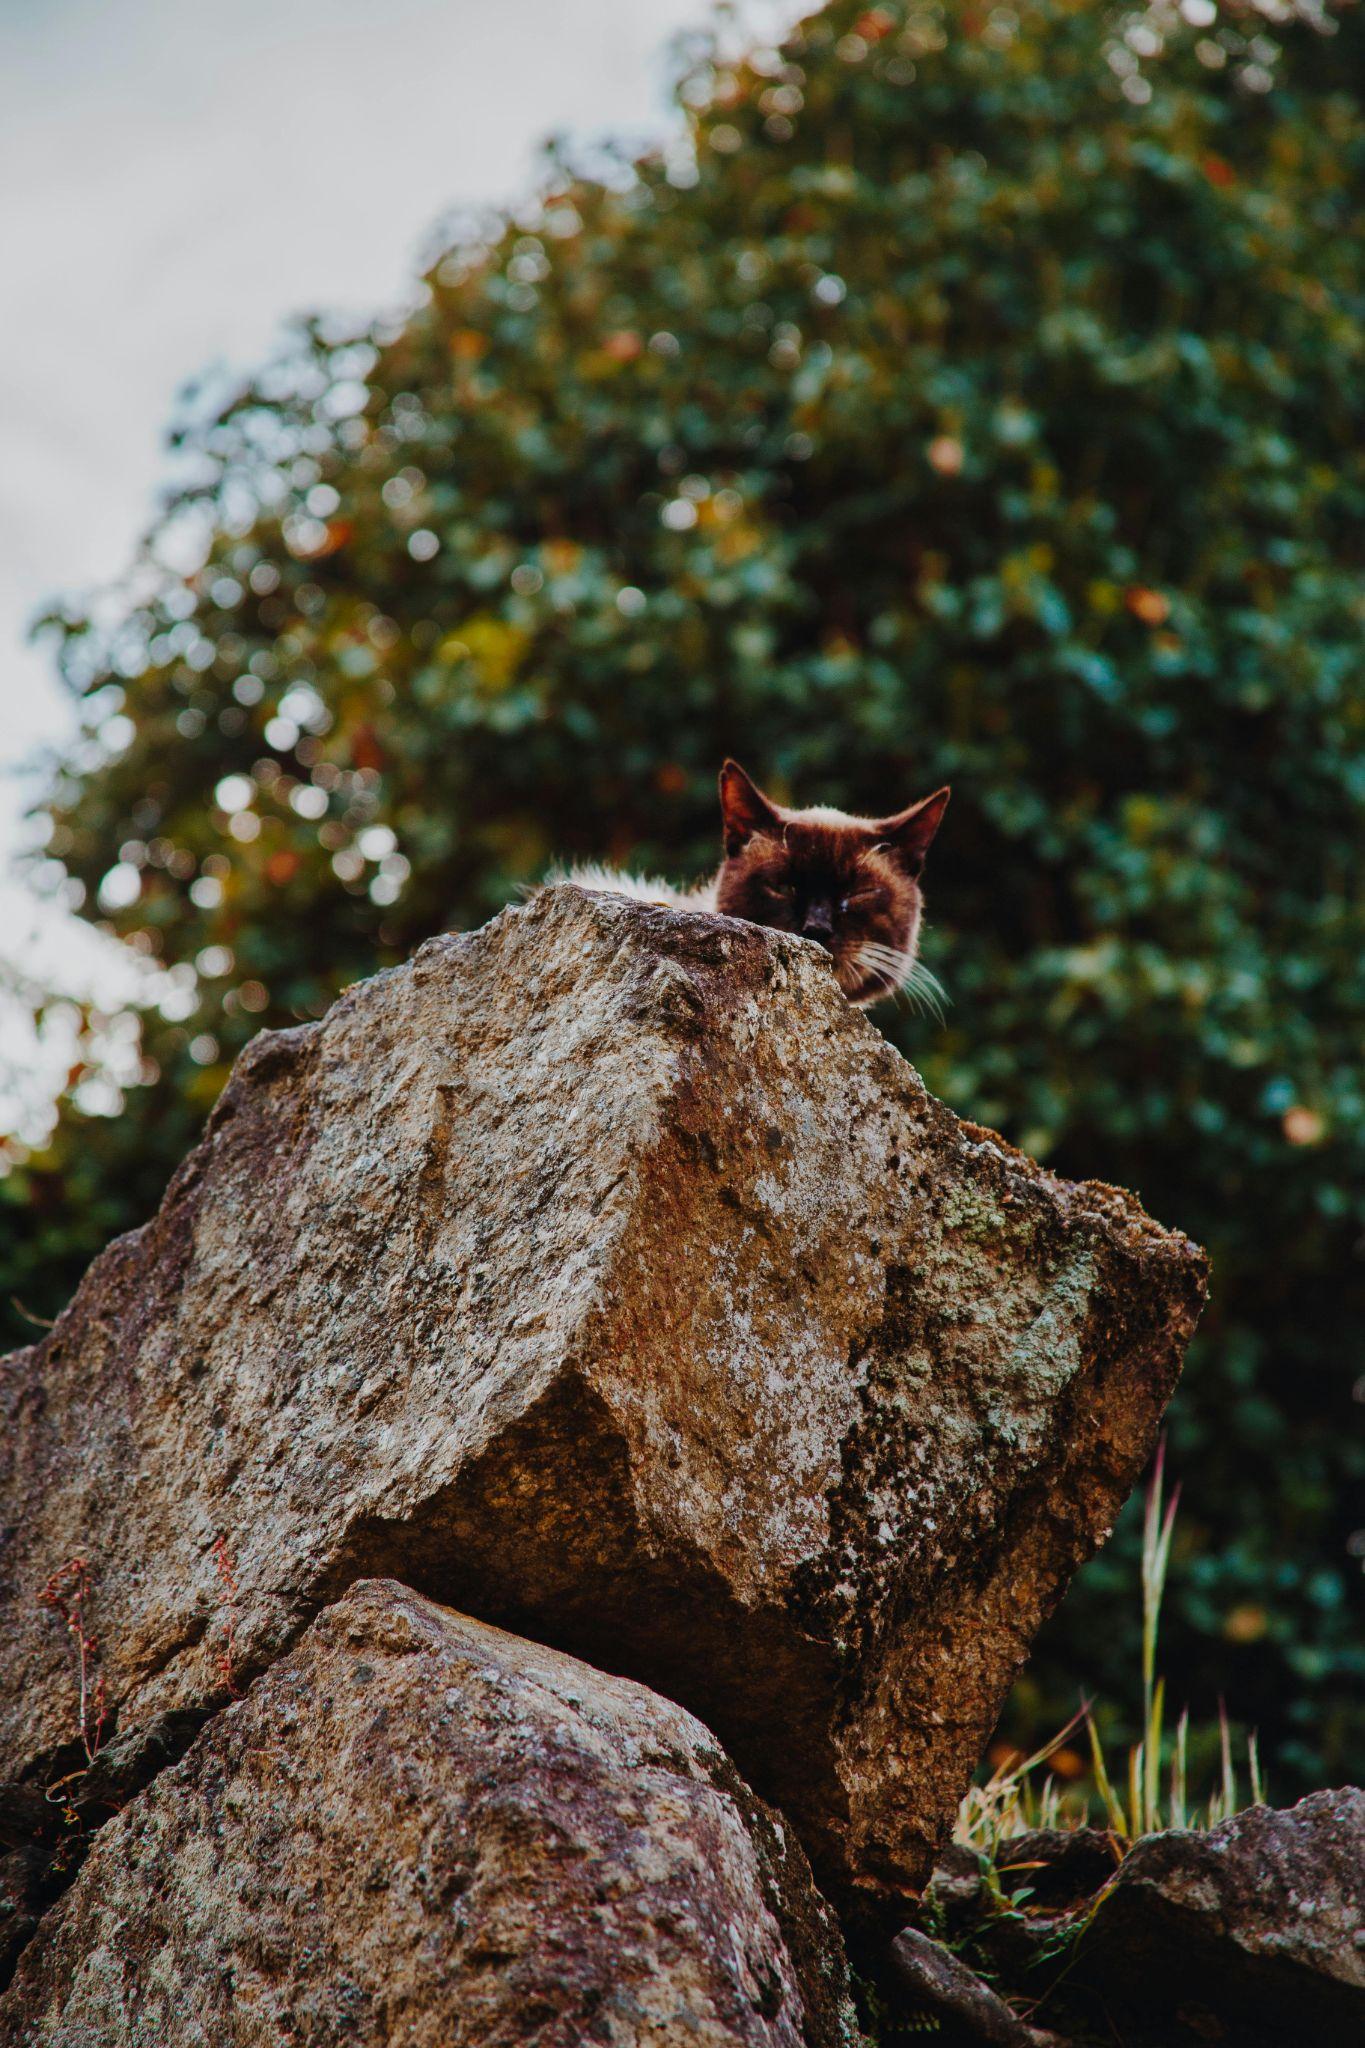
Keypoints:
(1253, 1932)
(418, 1829)
(605, 1274)
(1250, 1933)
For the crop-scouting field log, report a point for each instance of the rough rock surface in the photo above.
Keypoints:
(604, 1274)
(1253, 1932)
(421, 1832)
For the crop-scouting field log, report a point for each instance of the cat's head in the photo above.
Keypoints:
(851, 884)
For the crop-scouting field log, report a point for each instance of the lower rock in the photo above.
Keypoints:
(419, 1830)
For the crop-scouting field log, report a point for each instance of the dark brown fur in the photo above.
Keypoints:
(852, 884)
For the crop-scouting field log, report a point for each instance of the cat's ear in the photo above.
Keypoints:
(907, 836)
(744, 809)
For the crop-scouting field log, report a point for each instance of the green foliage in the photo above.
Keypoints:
(984, 405)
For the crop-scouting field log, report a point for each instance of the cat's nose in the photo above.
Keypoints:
(818, 925)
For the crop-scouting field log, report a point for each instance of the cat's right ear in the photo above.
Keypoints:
(907, 836)
(744, 809)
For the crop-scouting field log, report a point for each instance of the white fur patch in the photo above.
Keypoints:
(825, 814)
(640, 888)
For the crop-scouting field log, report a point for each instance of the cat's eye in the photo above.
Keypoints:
(858, 900)
(776, 892)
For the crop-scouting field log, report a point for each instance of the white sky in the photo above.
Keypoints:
(179, 177)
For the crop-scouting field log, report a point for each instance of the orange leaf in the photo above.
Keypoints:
(366, 751)
(1148, 605)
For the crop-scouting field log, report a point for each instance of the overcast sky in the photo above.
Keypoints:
(179, 177)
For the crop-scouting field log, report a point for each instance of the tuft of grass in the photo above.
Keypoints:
(1014, 1799)
(1152, 1792)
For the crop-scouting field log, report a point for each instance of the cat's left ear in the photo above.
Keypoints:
(908, 835)
(744, 809)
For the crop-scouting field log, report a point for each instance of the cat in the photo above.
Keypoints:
(850, 884)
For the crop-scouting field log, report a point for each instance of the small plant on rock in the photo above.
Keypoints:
(67, 1595)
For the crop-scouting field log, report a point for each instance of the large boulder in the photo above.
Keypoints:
(417, 1829)
(604, 1274)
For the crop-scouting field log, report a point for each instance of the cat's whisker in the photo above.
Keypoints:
(930, 1000)
(929, 989)
(905, 979)
(885, 964)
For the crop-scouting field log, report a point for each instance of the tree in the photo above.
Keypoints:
(976, 396)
